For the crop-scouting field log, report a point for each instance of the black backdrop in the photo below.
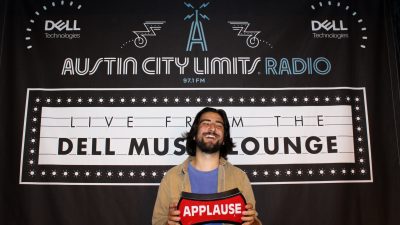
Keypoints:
(285, 30)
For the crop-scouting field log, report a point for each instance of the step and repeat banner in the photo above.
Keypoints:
(98, 95)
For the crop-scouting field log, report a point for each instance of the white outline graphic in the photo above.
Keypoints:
(38, 13)
(140, 40)
(252, 40)
(353, 13)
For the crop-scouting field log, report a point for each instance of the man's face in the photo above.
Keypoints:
(210, 134)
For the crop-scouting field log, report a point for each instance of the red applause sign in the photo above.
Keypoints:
(219, 207)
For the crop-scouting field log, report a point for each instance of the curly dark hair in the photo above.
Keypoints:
(227, 144)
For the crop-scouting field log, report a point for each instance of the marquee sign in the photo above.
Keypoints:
(133, 136)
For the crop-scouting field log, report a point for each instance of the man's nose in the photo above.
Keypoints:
(211, 127)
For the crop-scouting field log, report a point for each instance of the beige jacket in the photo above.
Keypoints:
(177, 180)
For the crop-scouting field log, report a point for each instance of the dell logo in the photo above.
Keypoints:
(67, 25)
(328, 25)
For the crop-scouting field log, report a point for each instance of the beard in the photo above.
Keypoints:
(208, 148)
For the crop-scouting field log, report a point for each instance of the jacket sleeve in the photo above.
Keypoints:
(161, 207)
(248, 194)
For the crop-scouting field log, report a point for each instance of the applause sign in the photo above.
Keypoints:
(220, 207)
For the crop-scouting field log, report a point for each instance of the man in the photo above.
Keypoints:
(206, 170)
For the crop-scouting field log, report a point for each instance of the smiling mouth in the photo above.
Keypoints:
(210, 136)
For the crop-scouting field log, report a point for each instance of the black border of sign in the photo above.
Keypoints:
(32, 173)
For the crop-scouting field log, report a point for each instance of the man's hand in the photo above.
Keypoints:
(249, 216)
(173, 215)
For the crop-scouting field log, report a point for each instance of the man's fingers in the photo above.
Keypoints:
(249, 212)
(249, 215)
(173, 217)
(247, 220)
(172, 222)
(249, 206)
(172, 210)
(173, 205)
(248, 223)
(174, 213)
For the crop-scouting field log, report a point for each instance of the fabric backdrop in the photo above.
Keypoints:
(95, 97)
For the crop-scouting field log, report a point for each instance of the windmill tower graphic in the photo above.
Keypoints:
(196, 35)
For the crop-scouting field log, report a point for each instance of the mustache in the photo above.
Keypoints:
(210, 133)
